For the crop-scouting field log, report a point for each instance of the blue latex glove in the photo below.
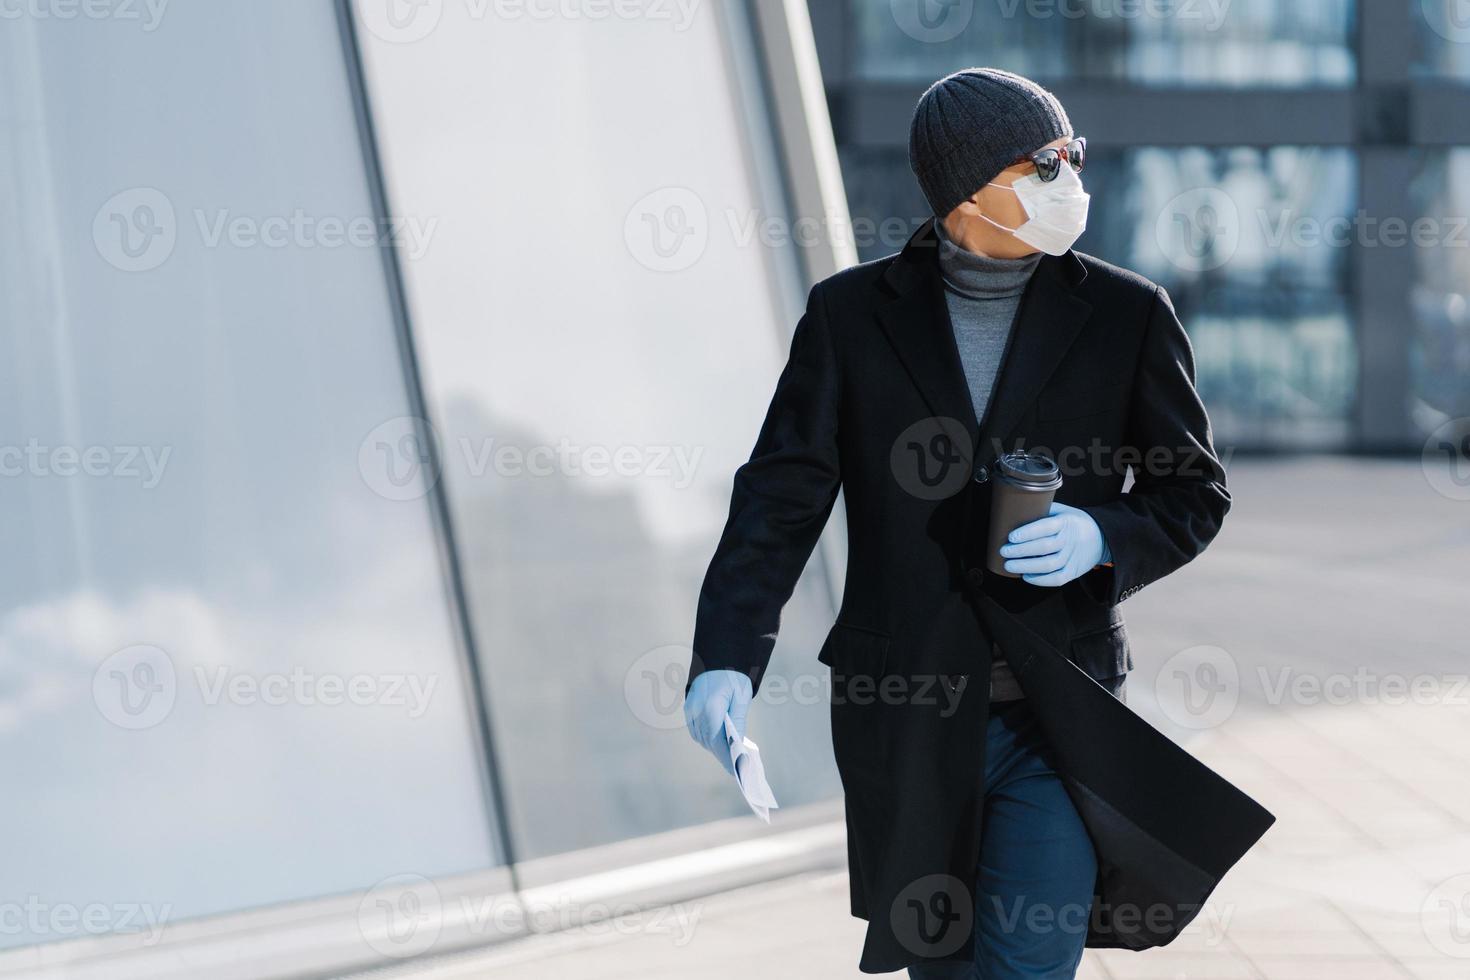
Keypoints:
(1054, 550)
(714, 694)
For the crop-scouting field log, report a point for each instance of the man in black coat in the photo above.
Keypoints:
(909, 379)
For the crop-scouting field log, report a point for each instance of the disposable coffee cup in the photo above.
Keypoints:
(1023, 485)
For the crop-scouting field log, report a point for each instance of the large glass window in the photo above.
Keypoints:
(601, 317)
(1245, 43)
(1439, 351)
(1253, 246)
(227, 668)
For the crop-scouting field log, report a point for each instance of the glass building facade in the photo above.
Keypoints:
(1291, 173)
(374, 379)
(186, 521)
(606, 313)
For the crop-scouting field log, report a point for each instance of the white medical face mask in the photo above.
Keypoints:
(1056, 210)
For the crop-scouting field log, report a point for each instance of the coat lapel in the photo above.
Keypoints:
(917, 324)
(1050, 317)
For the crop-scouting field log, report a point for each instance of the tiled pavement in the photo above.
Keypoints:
(1339, 589)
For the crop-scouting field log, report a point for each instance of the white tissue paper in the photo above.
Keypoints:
(750, 774)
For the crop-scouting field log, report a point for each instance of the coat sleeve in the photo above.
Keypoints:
(781, 500)
(1178, 499)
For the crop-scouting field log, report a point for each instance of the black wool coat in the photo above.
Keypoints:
(1099, 374)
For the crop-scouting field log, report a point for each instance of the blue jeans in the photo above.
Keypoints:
(1037, 868)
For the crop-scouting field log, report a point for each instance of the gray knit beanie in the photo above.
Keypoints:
(971, 125)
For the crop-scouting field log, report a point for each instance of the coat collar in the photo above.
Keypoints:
(916, 320)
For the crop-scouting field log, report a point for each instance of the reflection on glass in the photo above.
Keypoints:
(1439, 352)
(1252, 246)
(600, 342)
(227, 672)
(1245, 43)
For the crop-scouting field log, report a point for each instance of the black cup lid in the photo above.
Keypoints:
(1028, 468)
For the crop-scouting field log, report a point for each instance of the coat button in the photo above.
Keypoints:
(982, 473)
(975, 576)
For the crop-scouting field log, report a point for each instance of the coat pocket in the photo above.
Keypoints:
(1103, 653)
(856, 646)
(858, 658)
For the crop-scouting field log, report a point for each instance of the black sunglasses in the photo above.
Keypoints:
(1049, 161)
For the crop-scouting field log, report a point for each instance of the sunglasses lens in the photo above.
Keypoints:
(1077, 154)
(1048, 164)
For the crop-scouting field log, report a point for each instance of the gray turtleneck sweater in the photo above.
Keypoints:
(983, 295)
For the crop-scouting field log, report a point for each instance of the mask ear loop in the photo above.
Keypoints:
(998, 224)
(992, 220)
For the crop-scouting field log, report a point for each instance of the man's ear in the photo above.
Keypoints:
(958, 217)
(963, 212)
(968, 208)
